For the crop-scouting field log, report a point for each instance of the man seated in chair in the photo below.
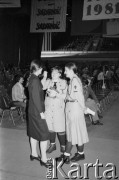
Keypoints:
(91, 102)
(18, 96)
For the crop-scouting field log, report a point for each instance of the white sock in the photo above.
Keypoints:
(67, 154)
(43, 147)
(81, 153)
(34, 144)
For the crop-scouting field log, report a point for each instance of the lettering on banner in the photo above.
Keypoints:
(48, 16)
(46, 12)
(98, 9)
(48, 25)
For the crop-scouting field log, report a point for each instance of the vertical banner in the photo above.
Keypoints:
(100, 9)
(9, 3)
(48, 16)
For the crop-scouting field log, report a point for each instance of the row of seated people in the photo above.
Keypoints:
(105, 75)
(109, 44)
(76, 43)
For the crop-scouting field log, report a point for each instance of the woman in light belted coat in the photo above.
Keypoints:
(56, 89)
(76, 130)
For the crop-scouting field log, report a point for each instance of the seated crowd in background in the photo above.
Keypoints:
(91, 101)
(95, 73)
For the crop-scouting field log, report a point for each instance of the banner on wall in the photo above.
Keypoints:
(100, 9)
(10, 3)
(48, 16)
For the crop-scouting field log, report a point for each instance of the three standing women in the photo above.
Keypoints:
(55, 112)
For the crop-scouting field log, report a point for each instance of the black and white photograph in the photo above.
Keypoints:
(59, 89)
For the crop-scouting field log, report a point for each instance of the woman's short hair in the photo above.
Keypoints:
(72, 66)
(35, 64)
(58, 68)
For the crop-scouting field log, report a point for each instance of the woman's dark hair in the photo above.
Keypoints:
(72, 66)
(35, 64)
(18, 77)
(84, 81)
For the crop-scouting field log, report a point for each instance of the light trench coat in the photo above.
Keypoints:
(75, 107)
(55, 106)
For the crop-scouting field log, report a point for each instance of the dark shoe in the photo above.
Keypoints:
(65, 159)
(60, 158)
(51, 148)
(97, 123)
(62, 149)
(94, 123)
(35, 158)
(47, 164)
(77, 157)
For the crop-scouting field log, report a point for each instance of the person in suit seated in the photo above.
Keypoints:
(91, 101)
(18, 96)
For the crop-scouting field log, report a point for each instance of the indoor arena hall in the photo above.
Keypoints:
(59, 89)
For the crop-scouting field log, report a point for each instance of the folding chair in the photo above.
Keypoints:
(90, 117)
(7, 107)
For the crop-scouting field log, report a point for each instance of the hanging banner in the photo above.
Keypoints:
(48, 16)
(100, 9)
(10, 3)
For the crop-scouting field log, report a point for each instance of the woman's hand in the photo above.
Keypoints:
(51, 92)
(45, 73)
(98, 104)
(42, 115)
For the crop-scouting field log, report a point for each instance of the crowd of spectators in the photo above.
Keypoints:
(98, 77)
(89, 42)
(94, 73)
(77, 43)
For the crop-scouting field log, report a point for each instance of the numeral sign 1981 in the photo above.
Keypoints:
(108, 9)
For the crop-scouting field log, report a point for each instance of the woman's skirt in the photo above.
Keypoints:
(75, 124)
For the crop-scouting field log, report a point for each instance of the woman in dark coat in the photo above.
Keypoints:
(37, 126)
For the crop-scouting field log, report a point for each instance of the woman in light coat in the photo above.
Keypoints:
(76, 130)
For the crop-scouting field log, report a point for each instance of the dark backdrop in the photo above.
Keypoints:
(83, 27)
(15, 34)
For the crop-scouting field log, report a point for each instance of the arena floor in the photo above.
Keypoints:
(102, 149)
